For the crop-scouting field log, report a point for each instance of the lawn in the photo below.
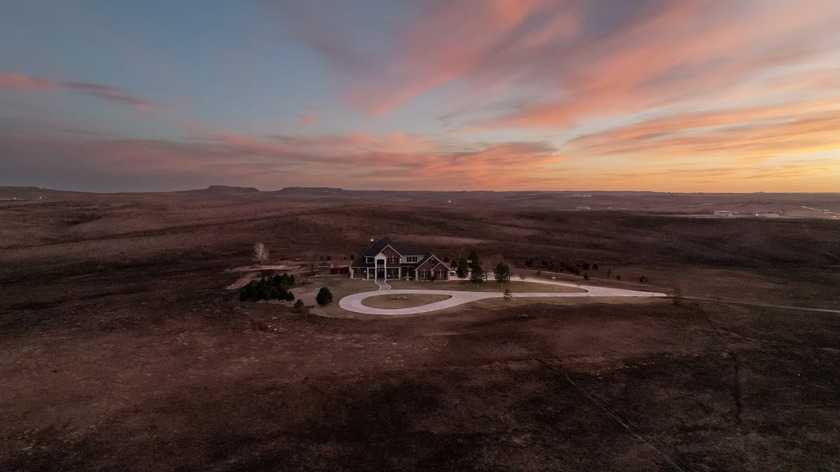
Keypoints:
(340, 287)
(402, 301)
(489, 286)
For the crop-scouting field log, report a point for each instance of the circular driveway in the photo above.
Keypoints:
(354, 302)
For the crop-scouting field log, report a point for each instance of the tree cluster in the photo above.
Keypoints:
(560, 264)
(269, 288)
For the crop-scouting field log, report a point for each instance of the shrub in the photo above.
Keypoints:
(298, 306)
(508, 295)
(594, 266)
(618, 277)
(643, 279)
(586, 276)
(324, 296)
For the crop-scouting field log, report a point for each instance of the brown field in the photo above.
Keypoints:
(402, 301)
(122, 349)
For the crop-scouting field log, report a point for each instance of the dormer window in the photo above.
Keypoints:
(411, 259)
(369, 259)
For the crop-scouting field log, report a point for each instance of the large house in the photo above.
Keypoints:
(386, 259)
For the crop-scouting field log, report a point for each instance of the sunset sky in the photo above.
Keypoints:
(680, 96)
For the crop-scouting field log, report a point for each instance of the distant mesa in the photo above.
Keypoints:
(229, 189)
(311, 190)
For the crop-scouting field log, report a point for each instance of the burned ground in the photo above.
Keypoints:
(121, 349)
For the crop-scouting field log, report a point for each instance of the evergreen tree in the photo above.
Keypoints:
(477, 275)
(473, 258)
(502, 273)
(324, 296)
(463, 269)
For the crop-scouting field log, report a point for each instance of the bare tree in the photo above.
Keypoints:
(260, 253)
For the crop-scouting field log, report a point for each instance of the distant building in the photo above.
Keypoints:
(724, 213)
(386, 259)
(583, 208)
(767, 215)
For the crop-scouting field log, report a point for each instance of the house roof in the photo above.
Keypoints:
(402, 248)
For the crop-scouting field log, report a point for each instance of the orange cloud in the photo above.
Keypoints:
(752, 135)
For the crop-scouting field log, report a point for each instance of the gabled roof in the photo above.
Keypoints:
(410, 249)
(378, 246)
(401, 248)
(429, 256)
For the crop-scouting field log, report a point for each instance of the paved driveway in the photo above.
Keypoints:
(354, 302)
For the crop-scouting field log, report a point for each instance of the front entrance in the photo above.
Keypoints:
(380, 273)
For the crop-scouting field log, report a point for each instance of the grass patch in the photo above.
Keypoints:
(340, 288)
(402, 301)
(490, 286)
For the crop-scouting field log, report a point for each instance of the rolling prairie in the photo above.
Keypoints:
(121, 347)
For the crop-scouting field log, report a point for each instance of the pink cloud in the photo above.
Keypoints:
(25, 83)
(15, 81)
(354, 160)
(542, 64)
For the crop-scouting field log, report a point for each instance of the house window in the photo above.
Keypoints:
(411, 259)
(368, 259)
(422, 273)
(432, 261)
(392, 260)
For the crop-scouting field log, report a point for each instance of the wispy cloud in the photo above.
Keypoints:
(741, 136)
(557, 63)
(356, 160)
(25, 83)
